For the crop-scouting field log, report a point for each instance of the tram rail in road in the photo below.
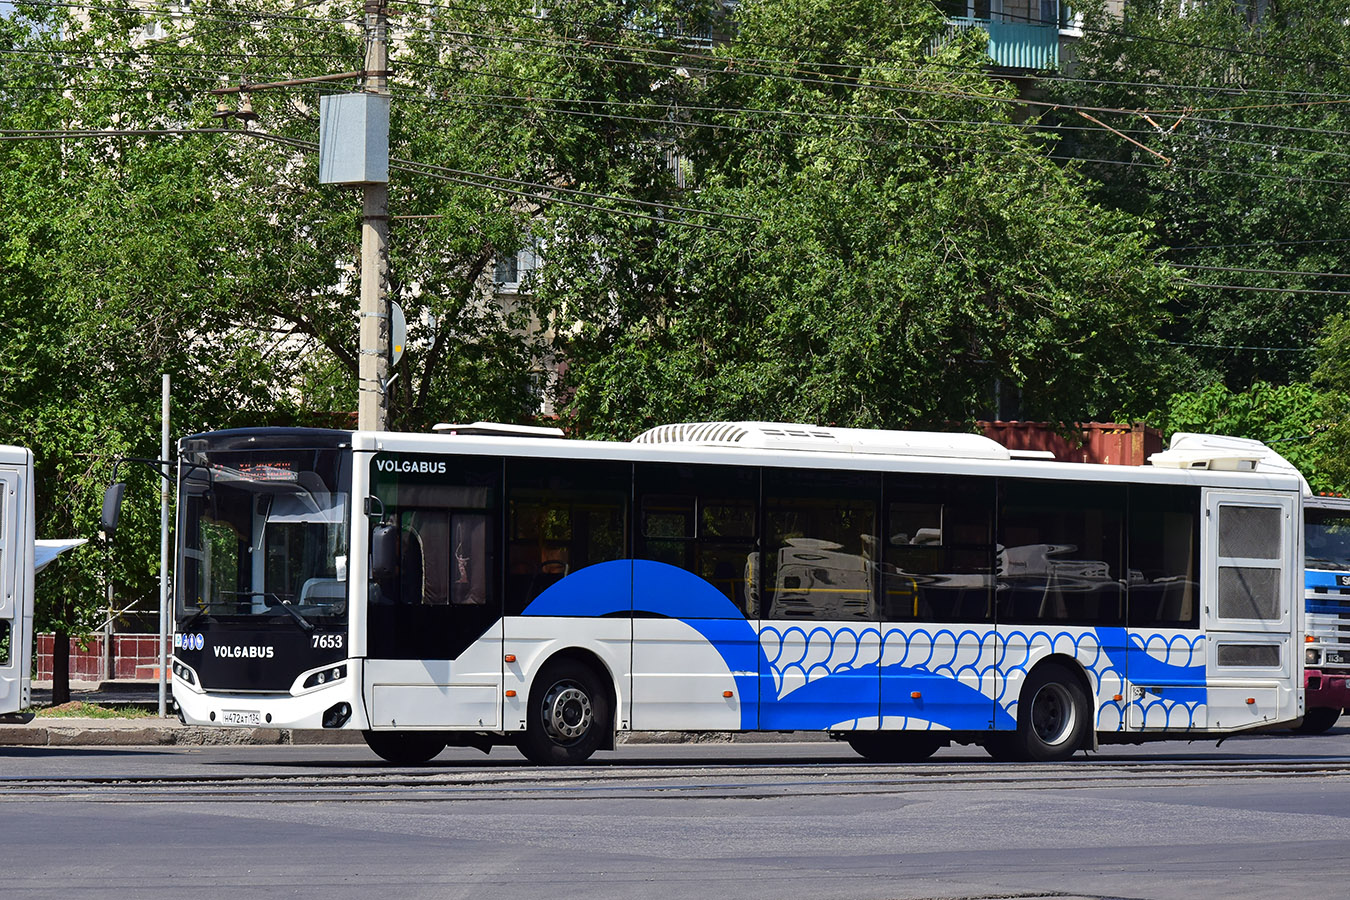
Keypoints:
(740, 780)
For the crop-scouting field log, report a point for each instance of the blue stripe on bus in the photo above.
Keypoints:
(1314, 578)
(1328, 607)
(847, 694)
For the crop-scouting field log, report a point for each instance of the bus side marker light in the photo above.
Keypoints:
(1251, 701)
(1308, 639)
(510, 693)
(510, 657)
(728, 694)
(1118, 697)
(915, 695)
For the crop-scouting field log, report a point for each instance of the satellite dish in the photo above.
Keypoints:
(398, 333)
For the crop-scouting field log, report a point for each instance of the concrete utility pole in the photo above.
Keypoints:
(165, 483)
(372, 411)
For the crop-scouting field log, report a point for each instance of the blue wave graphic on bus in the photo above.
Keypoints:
(1182, 683)
(834, 691)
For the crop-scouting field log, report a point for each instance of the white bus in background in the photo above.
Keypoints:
(21, 557)
(900, 591)
(16, 578)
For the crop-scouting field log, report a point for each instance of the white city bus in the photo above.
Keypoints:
(900, 591)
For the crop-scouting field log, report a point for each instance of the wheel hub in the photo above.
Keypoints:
(1052, 714)
(567, 711)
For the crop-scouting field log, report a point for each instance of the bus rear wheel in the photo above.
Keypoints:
(568, 715)
(895, 746)
(1052, 719)
(405, 748)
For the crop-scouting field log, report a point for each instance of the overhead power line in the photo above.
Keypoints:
(1269, 290)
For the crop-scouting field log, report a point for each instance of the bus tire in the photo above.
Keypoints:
(1052, 715)
(569, 712)
(1317, 720)
(405, 748)
(895, 746)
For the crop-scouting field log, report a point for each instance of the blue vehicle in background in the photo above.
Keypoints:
(1326, 578)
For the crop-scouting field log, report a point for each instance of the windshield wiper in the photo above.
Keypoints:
(201, 611)
(272, 601)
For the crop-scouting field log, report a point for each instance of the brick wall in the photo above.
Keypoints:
(135, 657)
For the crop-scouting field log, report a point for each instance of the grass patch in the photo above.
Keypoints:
(81, 709)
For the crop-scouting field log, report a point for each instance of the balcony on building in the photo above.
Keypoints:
(1024, 35)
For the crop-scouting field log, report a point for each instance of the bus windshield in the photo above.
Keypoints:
(264, 536)
(1326, 536)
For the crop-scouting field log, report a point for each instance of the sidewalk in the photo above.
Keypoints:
(61, 732)
(56, 731)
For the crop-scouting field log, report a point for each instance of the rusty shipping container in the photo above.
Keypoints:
(1109, 443)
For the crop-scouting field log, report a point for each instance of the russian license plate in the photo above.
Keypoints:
(240, 717)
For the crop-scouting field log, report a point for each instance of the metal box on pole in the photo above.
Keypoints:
(354, 139)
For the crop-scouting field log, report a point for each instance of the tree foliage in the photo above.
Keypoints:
(832, 215)
(883, 246)
(1224, 125)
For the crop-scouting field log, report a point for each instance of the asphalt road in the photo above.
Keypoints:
(1254, 817)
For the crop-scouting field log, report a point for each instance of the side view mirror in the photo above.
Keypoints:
(384, 546)
(112, 508)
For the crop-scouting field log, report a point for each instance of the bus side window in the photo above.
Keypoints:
(442, 593)
(1062, 545)
(819, 538)
(562, 516)
(702, 519)
(938, 555)
(1164, 556)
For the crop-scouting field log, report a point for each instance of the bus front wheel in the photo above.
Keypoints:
(405, 748)
(568, 714)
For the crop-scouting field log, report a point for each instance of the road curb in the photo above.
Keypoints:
(170, 732)
(155, 732)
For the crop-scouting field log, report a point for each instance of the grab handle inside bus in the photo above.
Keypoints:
(384, 544)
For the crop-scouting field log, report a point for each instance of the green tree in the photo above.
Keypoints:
(882, 244)
(1333, 375)
(1285, 417)
(1229, 136)
(139, 237)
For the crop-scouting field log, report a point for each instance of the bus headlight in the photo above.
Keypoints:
(1312, 657)
(183, 672)
(326, 675)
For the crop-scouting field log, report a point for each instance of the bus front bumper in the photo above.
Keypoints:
(1329, 689)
